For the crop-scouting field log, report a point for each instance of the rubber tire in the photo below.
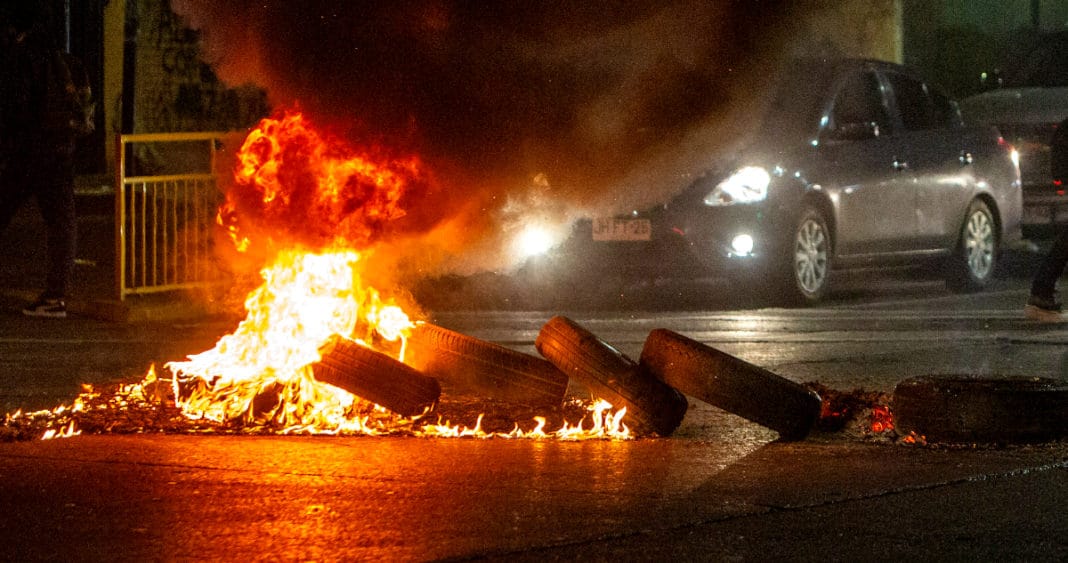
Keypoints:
(729, 383)
(960, 277)
(484, 367)
(652, 405)
(791, 287)
(959, 409)
(376, 377)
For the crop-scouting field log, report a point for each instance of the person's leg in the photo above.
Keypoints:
(55, 197)
(13, 194)
(1044, 284)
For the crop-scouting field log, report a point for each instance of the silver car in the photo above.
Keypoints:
(858, 163)
(1027, 102)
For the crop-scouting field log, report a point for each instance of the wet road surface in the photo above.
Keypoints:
(720, 488)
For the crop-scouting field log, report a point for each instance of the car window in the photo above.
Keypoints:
(945, 111)
(921, 106)
(860, 100)
(916, 107)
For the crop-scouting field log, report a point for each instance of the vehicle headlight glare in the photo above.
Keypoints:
(742, 245)
(533, 241)
(745, 185)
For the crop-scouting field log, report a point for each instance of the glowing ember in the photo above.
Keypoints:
(915, 439)
(881, 419)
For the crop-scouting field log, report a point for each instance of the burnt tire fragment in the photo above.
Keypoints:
(484, 367)
(376, 377)
(731, 384)
(961, 409)
(652, 405)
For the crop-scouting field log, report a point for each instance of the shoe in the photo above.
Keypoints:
(50, 308)
(1044, 309)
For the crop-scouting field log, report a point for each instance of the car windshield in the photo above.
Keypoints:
(799, 100)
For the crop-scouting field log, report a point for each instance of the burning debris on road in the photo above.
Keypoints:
(321, 351)
(149, 407)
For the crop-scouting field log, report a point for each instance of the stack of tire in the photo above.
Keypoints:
(672, 366)
(654, 389)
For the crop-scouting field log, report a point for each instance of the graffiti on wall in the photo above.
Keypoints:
(176, 89)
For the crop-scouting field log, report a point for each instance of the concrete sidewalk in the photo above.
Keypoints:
(388, 499)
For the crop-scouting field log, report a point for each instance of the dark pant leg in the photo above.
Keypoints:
(1052, 265)
(13, 194)
(54, 189)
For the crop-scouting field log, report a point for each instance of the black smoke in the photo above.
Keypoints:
(594, 105)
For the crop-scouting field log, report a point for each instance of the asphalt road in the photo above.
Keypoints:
(873, 333)
(721, 488)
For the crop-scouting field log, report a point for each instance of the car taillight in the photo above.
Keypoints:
(1013, 153)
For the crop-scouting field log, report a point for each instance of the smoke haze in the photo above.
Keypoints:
(521, 109)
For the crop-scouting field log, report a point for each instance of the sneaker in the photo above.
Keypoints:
(50, 308)
(1043, 309)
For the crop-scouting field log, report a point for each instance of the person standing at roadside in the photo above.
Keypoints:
(1044, 303)
(37, 143)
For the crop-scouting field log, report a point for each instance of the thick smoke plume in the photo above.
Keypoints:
(524, 111)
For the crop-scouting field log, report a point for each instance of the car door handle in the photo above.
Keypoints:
(966, 158)
(900, 165)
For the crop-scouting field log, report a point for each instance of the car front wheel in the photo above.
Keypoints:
(975, 259)
(809, 259)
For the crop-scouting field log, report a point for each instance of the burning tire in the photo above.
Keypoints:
(376, 377)
(485, 368)
(973, 410)
(731, 384)
(652, 405)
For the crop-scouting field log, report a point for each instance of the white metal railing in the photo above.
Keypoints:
(164, 219)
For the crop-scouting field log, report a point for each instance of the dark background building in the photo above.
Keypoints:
(145, 67)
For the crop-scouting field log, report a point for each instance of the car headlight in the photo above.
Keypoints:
(533, 241)
(745, 185)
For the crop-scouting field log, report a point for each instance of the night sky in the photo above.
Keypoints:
(565, 108)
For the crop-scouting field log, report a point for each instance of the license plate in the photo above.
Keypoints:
(611, 228)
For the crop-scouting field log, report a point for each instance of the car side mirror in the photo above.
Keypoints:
(854, 131)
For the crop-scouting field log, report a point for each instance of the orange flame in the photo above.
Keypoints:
(318, 209)
(296, 186)
(262, 371)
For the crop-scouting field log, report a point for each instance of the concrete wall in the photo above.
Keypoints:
(110, 99)
(175, 89)
(854, 28)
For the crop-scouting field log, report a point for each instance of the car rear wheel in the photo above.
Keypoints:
(974, 262)
(809, 260)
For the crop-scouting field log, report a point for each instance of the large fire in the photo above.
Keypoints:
(261, 373)
(294, 186)
(315, 209)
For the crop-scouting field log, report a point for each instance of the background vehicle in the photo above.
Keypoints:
(859, 163)
(1029, 97)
